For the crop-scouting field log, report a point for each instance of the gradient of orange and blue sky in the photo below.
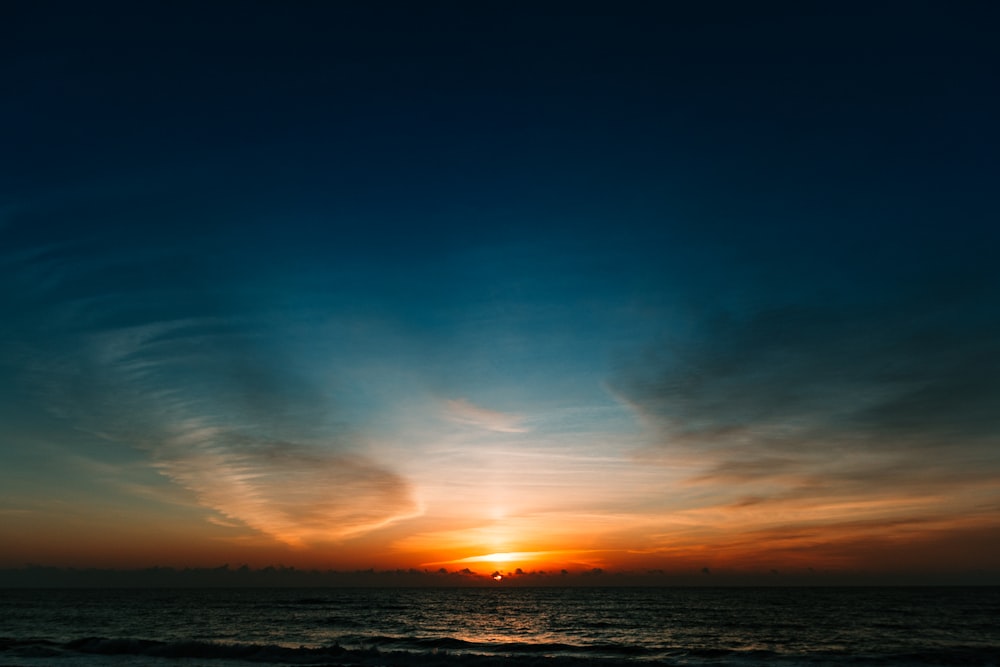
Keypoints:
(629, 285)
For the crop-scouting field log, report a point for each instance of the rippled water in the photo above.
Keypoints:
(495, 625)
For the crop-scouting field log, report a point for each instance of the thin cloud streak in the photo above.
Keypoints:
(461, 411)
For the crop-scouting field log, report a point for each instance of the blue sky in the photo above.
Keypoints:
(637, 285)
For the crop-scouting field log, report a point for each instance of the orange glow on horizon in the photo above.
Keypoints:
(527, 561)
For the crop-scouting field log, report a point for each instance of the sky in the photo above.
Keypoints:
(632, 286)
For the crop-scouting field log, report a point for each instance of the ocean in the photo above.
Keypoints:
(500, 626)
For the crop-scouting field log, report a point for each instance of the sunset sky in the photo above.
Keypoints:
(628, 285)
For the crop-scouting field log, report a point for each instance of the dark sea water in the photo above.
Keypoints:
(498, 626)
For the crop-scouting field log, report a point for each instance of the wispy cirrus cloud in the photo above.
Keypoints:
(204, 386)
(788, 406)
(301, 495)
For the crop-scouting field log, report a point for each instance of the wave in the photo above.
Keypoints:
(456, 645)
(551, 648)
(451, 652)
(185, 649)
(443, 652)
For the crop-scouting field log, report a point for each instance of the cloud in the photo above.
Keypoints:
(461, 411)
(180, 369)
(510, 556)
(297, 494)
(890, 395)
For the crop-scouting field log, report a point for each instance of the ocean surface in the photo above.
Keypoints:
(501, 626)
